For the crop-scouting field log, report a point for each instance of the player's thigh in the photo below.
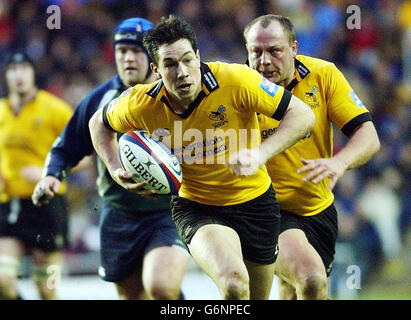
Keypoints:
(47, 267)
(163, 271)
(11, 247)
(261, 279)
(297, 257)
(11, 252)
(47, 258)
(217, 249)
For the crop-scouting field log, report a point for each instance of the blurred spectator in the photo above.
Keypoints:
(380, 204)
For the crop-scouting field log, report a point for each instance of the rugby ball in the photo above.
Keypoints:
(150, 160)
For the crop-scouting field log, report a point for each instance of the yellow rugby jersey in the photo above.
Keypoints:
(323, 87)
(26, 138)
(221, 121)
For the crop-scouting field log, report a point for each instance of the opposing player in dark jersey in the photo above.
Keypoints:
(140, 248)
(30, 120)
(304, 175)
(206, 113)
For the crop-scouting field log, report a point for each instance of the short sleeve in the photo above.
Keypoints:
(117, 114)
(260, 95)
(345, 108)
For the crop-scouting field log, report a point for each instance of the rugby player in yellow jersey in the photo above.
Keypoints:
(304, 175)
(228, 221)
(30, 121)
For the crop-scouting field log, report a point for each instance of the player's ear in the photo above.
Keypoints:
(198, 54)
(154, 69)
(294, 47)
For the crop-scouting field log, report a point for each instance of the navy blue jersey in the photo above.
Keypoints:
(74, 143)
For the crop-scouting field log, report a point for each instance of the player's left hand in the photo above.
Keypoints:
(319, 169)
(246, 162)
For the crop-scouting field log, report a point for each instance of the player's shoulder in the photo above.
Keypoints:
(51, 100)
(3, 102)
(140, 96)
(3, 105)
(316, 65)
(146, 92)
(232, 74)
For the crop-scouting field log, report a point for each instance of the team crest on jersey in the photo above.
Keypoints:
(356, 100)
(268, 86)
(312, 98)
(218, 117)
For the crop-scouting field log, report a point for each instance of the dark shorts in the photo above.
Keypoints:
(257, 223)
(44, 228)
(321, 231)
(126, 237)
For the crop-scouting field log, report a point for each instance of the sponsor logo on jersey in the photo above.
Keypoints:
(269, 87)
(356, 100)
(112, 105)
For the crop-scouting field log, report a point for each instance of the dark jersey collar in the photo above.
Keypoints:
(208, 81)
(302, 72)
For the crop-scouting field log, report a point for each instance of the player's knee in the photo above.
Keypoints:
(163, 291)
(235, 286)
(47, 279)
(8, 273)
(314, 287)
(286, 290)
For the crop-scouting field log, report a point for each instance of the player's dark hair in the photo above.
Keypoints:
(169, 30)
(266, 20)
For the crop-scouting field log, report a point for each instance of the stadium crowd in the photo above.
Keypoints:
(373, 201)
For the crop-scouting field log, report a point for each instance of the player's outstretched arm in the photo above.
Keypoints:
(296, 123)
(105, 143)
(360, 148)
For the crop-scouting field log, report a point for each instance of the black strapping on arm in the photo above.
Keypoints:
(283, 105)
(352, 125)
(105, 120)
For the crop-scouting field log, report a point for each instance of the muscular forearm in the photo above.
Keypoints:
(361, 147)
(295, 125)
(104, 142)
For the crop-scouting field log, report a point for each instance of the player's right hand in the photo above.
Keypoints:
(45, 190)
(126, 179)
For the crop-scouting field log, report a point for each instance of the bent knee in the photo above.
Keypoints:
(236, 286)
(314, 286)
(162, 291)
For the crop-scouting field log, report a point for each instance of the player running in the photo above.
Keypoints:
(30, 120)
(305, 174)
(140, 248)
(228, 221)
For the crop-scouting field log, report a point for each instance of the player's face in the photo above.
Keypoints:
(270, 53)
(132, 64)
(179, 68)
(20, 77)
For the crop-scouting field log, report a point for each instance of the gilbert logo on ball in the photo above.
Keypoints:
(151, 161)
